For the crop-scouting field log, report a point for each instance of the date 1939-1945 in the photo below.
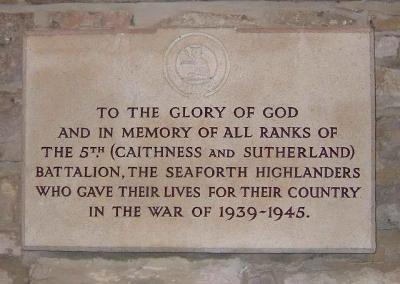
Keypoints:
(272, 212)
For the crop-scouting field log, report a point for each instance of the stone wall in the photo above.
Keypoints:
(18, 16)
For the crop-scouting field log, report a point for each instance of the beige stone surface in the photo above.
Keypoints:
(10, 174)
(10, 127)
(9, 244)
(147, 270)
(365, 275)
(4, 277)
(12, 27)
(325, 75)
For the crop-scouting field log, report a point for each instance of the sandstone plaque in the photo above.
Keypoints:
(199, 140)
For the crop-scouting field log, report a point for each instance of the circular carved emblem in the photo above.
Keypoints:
(196, 64)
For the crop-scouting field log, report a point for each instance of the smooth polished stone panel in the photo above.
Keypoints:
(216, 140)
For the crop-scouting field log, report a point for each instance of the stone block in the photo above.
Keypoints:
(9, 186)
(387, 46)
(364, 275)
(10, 127)
(388, 215)
(143, 270)
(12, 271)
(78, 1)
(388, 168)
(384, 22)
(12, 27)
(263, 14)
(388, 247)
(71, 20)
(9, 244)
(387, 86)
(387, 147)
(4, 278)
(381, 267)
(8, 1)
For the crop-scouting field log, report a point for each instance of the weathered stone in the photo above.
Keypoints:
(71, 20)
(387, 88)
(144, 270)
(271, 269)
(99, 1)
(388, 171)
(9, 183)
(312, 18)
(388, 82)
(94, 1)
(316, 277)
(387, 46)
(8, 1)
(208, 19)
(13, 271)
(387, 148)
(79, 1)
(388, 215)
(274, 267)
(307, 18)
(267, 14)
(365, 275)
(388, 251)
(10, 127)
(12, 27)
(4, 278)
(9, 245)
(264, 279)
(7, 202)
(386, 22)
(388, 168)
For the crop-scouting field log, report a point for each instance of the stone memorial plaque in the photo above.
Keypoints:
(216, 140)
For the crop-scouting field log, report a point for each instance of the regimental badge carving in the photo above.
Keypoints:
(196, 64)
